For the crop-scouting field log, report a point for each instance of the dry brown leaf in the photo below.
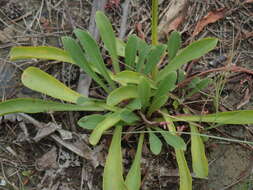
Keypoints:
(248, 35)
(48, 160)
(173, 17)
(211, 17)
(248, 1)
(175, 24)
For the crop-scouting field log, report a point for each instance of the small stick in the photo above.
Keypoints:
(231, 68)
(123, 26)
(55, 137)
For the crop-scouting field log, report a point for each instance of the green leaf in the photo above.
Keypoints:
(166, 85)
(131, 77)
(230, 117)
(154, 57)
(157, 104)
(181, 74)
(143, 51)
(135, 104)
(133, 178)
(198, 85)
(184, 172)
(144, 92)
(75, 51)
(108, 37)
(128, 116)
(90, 121)
(173, 44)
(40, 81)
(191, 52)
(173, 140)
(113, 171)
(199, 160)
(30, 105)
(121, 46)
(107, 123)
(131, 52)
(120, 94)
(155, 143)
(40, 52)
(92, 50)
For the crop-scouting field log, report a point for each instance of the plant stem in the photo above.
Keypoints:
(154, 33)
(154, 22)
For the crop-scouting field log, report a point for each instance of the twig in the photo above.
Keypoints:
(230, 68)
(123, 25)
(67, 145)
(96, 5)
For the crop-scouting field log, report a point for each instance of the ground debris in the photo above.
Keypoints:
(211, 17)
(47, 161)
(173, 17)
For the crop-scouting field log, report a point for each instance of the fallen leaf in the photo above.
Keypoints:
(139, 30)
(248, 35)
(173, 17)
(112, 3)
(248, 1)
(45, 131)
(175, 23)
(211, 17)
(47, 161)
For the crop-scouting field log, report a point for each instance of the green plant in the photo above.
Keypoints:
(139, 93)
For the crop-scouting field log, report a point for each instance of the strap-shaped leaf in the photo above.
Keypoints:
(144, 92)
(173, 140)
(107, 123)
(131, 52)
(191, 52)
(90, 121)
(75, 51)
(92, 50)
(133, 178)
(154, 57)
(121, 46)
(173, 44)
(113, 171)
(135, 104)
(120, 94)
(40, 52)
(157, 104)
(43, 52)
(199, 160)
(131, 77)
(166, 85)
(128, 116)
(155, 143)
(143, 51)
(108, 37)
(184, 172)
(31, 105)
(40, 81)
(230, 117)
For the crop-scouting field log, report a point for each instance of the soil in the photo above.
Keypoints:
(47, 165)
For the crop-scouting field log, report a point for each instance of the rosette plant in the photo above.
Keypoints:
(139, 90)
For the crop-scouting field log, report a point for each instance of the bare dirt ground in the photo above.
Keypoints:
(29, 160)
